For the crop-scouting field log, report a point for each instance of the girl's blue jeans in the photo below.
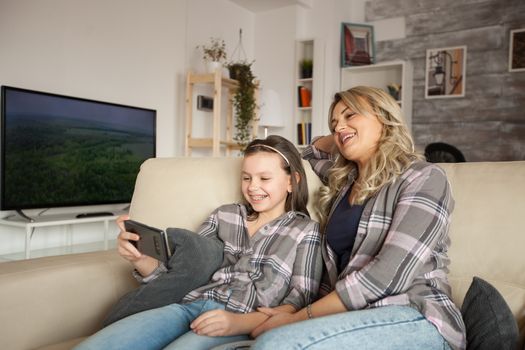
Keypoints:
(382, 328)
(167, 327)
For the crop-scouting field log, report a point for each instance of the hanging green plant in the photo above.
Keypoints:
(244, 102)
(244, 98)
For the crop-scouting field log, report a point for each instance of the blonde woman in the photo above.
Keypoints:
(385, 217)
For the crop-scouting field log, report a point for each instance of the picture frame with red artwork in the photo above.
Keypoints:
(357, 44)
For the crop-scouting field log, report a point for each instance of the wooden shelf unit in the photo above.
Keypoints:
(221, 85)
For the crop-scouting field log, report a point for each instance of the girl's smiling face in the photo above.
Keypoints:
(355, 135)
(265, 184)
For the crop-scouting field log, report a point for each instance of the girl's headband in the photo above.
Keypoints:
(273, 149)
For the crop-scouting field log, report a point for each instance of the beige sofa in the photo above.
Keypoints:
(52, 302)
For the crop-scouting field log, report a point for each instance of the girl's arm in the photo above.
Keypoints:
(149, 268)
(328, 305)
(210, 226)
(225, 323)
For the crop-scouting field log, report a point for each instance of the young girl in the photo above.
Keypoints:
(272, 258)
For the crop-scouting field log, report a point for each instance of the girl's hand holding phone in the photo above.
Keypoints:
(143, 264)
(124, 247)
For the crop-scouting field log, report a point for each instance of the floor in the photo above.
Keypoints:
(77, 248)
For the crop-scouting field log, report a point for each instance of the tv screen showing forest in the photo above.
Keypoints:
(64, 151)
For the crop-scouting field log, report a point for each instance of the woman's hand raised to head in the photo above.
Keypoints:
(326, 144)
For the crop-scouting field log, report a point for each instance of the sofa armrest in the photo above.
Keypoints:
(52, 299)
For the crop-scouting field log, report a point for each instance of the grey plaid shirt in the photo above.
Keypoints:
(280, 264)
(400, 252)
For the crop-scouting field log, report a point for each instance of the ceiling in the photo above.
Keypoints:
(265, 5)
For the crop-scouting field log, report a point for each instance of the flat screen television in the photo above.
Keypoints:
(59, 151)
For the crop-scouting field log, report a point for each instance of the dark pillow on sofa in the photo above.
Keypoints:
(195, 258)
(488, 319)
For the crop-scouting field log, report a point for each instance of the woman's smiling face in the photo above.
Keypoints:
(356, 135)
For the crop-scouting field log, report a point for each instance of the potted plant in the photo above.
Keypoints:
(307, 66)
(214, 54)
(243, 100)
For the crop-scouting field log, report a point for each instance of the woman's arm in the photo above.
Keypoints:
(325, 144)
(225, 323)
(320, 156)
(328, 305)
(307, 269)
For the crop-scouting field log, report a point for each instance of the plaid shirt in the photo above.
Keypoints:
(280, 264)
(400, 253)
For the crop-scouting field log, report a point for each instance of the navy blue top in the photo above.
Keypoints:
(341, 230)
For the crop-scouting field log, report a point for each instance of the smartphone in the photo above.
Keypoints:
(153, 241)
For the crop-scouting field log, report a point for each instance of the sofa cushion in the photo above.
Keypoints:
(195, 258)
(488, 319)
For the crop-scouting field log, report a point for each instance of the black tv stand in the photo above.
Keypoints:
(94, 214)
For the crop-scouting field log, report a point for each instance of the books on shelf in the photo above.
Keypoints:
(304, 96)
(304, 133)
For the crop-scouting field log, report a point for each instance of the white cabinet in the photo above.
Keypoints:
(58, 220)
(381, 75)
(308, 88)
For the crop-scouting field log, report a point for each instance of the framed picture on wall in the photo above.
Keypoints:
(445, 72)
(517, 50)
(357, 44)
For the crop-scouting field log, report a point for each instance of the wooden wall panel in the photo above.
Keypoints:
(488, 124)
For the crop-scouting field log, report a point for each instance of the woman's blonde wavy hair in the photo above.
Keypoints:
(395, 149)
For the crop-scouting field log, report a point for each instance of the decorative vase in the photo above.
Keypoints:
(212, 66)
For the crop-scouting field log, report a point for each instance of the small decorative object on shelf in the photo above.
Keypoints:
(305, 97)
(307, 66)
(394, 90)
(304, 133)
(305, 85)
(214, 54)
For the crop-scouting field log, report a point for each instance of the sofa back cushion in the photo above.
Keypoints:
(487, 233)
(182, 192)
(487, 230)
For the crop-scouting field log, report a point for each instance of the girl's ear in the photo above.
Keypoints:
(297, 179)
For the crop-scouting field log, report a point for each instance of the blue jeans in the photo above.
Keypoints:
(167, 327)
(382, 328)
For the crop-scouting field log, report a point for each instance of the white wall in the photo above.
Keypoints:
(211, 18)
(275, 61)
(132, 52)
(122, 51)
(137, 52)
